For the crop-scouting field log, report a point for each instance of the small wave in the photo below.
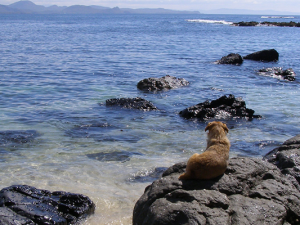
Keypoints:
(210, 21)
(277, 17)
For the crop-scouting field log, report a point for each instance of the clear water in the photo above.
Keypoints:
(57, 71)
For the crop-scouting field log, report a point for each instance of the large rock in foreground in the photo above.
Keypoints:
(222, 108)
(232, 58)
(250, 192)
(287, 159)
(21, 204)
(159, 84)
(131, 103)
(268, 55)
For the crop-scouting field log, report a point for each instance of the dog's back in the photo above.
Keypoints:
(213, 162)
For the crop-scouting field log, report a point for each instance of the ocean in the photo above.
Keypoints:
(57, 71)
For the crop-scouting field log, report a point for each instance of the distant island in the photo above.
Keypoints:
(28, 7)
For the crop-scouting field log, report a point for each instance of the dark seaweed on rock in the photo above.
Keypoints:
(223, 108)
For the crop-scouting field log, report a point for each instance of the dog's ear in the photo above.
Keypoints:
(209, 125)
(225, 127)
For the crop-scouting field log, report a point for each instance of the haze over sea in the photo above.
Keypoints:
(57, 71)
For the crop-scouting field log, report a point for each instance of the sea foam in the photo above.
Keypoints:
(209, 21)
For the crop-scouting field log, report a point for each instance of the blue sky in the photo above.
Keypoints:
(198, 5)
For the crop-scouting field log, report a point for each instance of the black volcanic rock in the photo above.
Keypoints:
(246, 24)
(287, 74)
(232, 58)
(131, 103)
(287, 159)
(251, 191)
(22, 204)
(267, 23)
(268, 55)
(159, 84)
(222, 108)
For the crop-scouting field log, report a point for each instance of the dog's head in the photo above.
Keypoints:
(215, 125)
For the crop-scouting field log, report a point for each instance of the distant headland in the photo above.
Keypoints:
(28, 7)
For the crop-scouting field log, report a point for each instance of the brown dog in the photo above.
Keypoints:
(213, 162)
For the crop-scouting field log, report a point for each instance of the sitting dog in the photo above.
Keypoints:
(213, 161)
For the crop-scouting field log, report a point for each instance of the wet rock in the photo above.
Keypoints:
(159, 84)
(278, 72)
(22, 204)
(268, 55)
(287, 159)
(131, 103)
(89, 130)
(9, 137)
(251, 191)
(232, 58)
(223, 108)
(119, 156)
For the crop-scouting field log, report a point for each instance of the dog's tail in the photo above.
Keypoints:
(184, 176)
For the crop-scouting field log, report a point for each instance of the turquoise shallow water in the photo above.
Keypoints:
(57, 71)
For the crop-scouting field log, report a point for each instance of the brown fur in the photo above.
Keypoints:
(213, 162)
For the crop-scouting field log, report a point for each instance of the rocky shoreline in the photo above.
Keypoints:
(266, 23)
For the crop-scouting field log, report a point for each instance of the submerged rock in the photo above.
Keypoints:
(131, 103)
(164, 83)
(148, 175)
(232, 58)
(120, 156)
(22, 204)
(8, 137)
(268, 55)
(287, 159)
(250, 192)
(222, 108)
(278, 72)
